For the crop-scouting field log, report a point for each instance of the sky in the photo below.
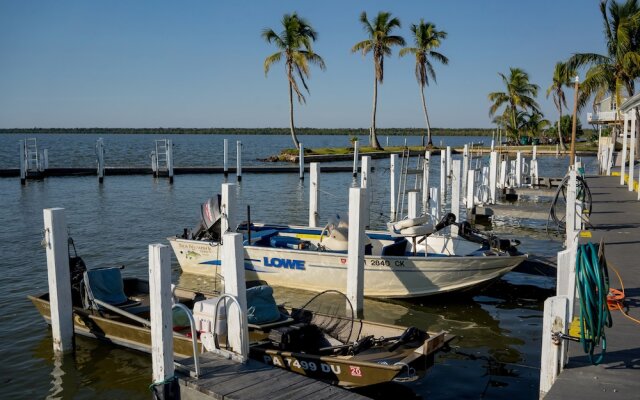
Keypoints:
(199, 64)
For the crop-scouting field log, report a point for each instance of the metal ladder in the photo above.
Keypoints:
(33, 162)
(162, 163)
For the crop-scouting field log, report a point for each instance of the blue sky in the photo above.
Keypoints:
(200, 63)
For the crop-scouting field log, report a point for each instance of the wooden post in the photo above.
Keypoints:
(56, 240)
(572, 150)
(471, 180)
(314, 199)
(365, 183)
(443, 176)
(355, 249)
(632, 149)
(455, 187)
(493, 177)
(465, 166)
(392, 185)
(100, 155)
(533, 172)
(611, 151)
(355, 158)
(493, 142)
(503, 174)
(154, 164)
(570, 219)
(566, 274)
(623, 161)
(425, 182)
(228, 208)
(554, 320)
(535, 153)
(518, 174)
(239, 160)
(170, 159)
(434, 204)
(161, 319)
(412, 204)
(448, 161)
(45, 160)
(301, 161)
(23, 162)
(225, 157)
(234, 284)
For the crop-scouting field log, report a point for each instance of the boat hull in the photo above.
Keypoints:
(384, 276)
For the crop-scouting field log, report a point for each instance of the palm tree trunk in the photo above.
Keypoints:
(293, 129)
(426, 117)
(564, 146)
(373, 139)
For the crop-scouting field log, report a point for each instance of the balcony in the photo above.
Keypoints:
(602, 117)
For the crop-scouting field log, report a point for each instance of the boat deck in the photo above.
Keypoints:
(225, 379)
(616, 219)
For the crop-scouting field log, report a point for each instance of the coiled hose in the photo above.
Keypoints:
(592, 280)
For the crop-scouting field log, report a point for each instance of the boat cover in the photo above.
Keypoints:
(106, 285)
(261, 306)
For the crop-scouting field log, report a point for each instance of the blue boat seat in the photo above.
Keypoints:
(260, 237)
(106, 285)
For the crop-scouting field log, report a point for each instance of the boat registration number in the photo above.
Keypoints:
(384, 263)
(292, 363)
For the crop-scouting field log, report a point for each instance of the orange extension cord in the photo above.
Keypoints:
(615, 298)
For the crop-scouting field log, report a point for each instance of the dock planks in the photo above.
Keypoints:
(225, 379)
(616, 219)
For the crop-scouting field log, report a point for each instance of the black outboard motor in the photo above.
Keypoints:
(448, 219)
(209, 226)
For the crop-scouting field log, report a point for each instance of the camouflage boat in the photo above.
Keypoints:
(342, 350)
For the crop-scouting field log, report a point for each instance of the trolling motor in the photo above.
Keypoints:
(474, 235)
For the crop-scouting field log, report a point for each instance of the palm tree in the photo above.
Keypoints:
(379, 42)
(426, 38)
(519, 96)
(618, 69)
(294, 43)
(535, 123)
(561, 78)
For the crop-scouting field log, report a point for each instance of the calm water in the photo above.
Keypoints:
(114, 223)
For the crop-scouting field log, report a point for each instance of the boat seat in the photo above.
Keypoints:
(418, 230)
(397, 248)
(288, 242)
(106, 285)
(260, 237)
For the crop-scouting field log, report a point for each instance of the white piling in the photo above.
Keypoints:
(23, 161)
(100, 157)
(448, 161)
(566, 274)
(154, 163)
(314, 199)
(465, 165)
(228, 208)
(239, 160)
(412, 205)
(632, 150)
(355, 249)
(425, 182)
(471, 180)
(570, 214)
(392, 185)
(434, 203)
(493, 177)
(533, 173)
(365, 183)
(534, 156)
(456, 166)
(161, 316)
(443, 176)
(234, 284)
(170, 159)
(503, 174)
(554, 320)
(225, 157)
(301, 161)
(56, 241)
(45, 160)
(623, 161)
(355, 158)
(518, 171)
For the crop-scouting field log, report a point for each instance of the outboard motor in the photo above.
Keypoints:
(448, 219)
(209, 226)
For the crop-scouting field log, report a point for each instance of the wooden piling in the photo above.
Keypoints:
(392, 184)
(471, 180)
(434, 203)
(355, 249)
(570, 215)
(518, 170)
(554, 320)
(412, 204)
(100, 159)
(170, 159)
(161, 321)
(355, 158)
(425, 182)
(443, 176)
(448, 161)
(632, 150)
(56, 243)
(493, 177)
(365, 183)
(301, 161)
(225, 157)
(314, 199)
(465, 166)
(623, 161)
(23, 161)
(227, 208)
(239, 160)
(234, 284)
(456, 166)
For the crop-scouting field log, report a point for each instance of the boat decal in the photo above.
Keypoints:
(192, 255)
(211, 262)
(355, 371)
(254, 260)
(284, 263)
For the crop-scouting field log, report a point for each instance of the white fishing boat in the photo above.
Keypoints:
(415, 258)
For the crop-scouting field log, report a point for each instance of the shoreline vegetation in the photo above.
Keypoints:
(257, 131)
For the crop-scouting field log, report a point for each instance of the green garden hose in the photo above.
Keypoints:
(592, 280)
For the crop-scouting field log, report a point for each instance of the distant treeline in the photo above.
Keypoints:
(260, 131)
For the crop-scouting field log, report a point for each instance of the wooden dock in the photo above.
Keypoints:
(616, 219)
(225, 379)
